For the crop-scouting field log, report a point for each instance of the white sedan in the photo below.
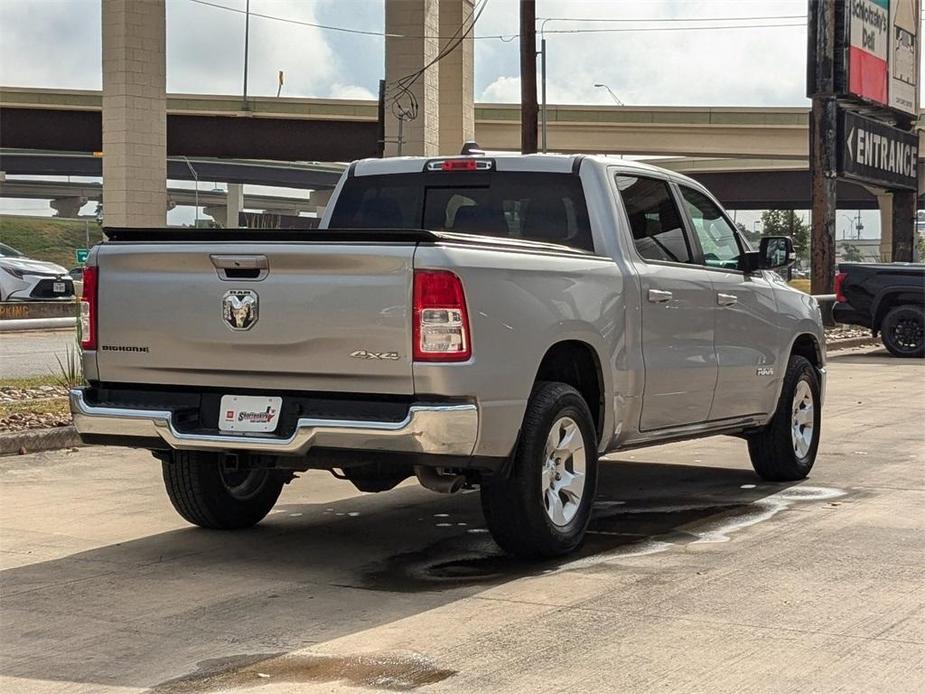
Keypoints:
(24, 279)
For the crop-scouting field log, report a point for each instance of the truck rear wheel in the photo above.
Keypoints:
(210, 494)
(542, 507)
(785, 450)
(903, 331)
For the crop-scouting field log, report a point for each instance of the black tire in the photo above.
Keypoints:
(903, 331)
(209, 495)
(515, 504)
(773, 450)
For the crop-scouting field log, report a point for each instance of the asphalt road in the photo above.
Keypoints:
(697, 577)
(33, 353)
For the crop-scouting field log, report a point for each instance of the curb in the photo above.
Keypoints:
(39, 440)
(851, 342)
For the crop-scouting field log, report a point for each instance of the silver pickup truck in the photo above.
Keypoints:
(490, 321)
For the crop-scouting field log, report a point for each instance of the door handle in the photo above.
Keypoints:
(658, 296)
(726, 299)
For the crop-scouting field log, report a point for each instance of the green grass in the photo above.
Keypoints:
(51, 379)
(47, 238)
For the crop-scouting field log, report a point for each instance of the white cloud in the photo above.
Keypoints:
(350, 91)
(504, 90)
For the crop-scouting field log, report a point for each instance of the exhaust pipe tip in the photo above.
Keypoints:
(432, 479)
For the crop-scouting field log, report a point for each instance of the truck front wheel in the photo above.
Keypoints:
(785, 450)
(210, 494)
(541, 508)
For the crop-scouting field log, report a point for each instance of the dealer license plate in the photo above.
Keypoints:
(249, 413)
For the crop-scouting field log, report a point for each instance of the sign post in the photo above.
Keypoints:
(822, 145)
(862, 58)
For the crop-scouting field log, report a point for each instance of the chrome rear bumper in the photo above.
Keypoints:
(439, 429)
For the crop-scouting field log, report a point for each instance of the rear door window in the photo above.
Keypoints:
(655, 221)
(548, 207)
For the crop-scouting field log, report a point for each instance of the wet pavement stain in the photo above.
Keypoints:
(399, 673)
(618, 529)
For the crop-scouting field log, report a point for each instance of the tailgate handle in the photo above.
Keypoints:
(241, 267)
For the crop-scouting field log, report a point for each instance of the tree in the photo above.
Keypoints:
(851, 254)
(787, 223)
(750, 235)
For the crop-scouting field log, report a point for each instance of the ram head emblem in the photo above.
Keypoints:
(239, 309)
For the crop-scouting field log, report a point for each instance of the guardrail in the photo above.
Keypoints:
(37, 315)
(26, 310)
(37, 324)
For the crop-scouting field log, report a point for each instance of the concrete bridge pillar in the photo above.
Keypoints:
(320, 199)
(413, 26)
(457, 71)
(885, 203)
(134, 113)
(439, 113)
(234, 205)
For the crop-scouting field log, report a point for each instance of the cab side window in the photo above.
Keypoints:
(655, 221)
(716, 235)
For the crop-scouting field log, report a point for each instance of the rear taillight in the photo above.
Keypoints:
(441, 324)
(88, 308)
(839, 281)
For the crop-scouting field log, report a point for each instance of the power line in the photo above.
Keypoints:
(672, 28)
(507, 38)
(300, 22)
(672, 19)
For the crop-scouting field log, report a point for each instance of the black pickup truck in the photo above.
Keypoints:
(888, 298)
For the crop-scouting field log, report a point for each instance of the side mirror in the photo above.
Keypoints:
(774, 253)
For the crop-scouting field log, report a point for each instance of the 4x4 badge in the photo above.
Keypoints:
(239, 309)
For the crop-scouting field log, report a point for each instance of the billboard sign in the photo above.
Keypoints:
(868, 25)
(877, 154)
(904, 51)
(880, 52)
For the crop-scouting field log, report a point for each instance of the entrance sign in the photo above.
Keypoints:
(80, 255)
(877, 154)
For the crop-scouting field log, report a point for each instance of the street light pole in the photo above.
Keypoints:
(247, 33)
(613, 96)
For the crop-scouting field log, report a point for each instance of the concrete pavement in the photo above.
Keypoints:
(33, 353)
(697, 577)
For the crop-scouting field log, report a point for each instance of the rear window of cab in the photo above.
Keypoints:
(536, 206)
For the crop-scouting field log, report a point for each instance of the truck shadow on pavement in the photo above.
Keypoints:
(155, 609)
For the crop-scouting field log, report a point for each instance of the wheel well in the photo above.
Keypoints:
(806, 346)
(892, 300)
(576, 363)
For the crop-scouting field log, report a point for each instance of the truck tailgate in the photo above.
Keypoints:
(300, 316)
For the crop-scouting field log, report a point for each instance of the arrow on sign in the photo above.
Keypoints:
(850, 141)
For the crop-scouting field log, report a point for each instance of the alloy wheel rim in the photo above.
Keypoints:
(803, 419)
(563, 476)
(908, 333)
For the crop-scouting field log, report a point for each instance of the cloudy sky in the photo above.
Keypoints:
(758, 59)
(56, 43)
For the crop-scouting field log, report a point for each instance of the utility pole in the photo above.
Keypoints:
(822, 143)
(528, 105)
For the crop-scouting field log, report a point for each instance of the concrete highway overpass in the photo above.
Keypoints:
(290, 129)
(753, 158)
